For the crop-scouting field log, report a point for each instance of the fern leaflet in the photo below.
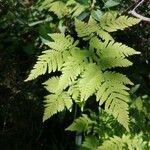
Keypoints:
(125, 142)
(56, 103)
(112, 22)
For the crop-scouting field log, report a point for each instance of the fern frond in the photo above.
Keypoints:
(77, 9)
(39, 68)
(71, 69)
(111, 54)
(110, 62)
(49, 61)
(62, 8)
(46, 4)
(104, 35)
(61, 43)
(52, 84)
(112, 22)
(55, 6)
(84, 71)
(114, 143)
(110, 76)
(111, 48)
(56, 103)
(84, 29)
(118, 107)
(80, 124)
(58, 8)
(114, 93)
(91, 143)
(116, 49)
(74, 92)
(90, 81)
(87, 29)
(124, 142)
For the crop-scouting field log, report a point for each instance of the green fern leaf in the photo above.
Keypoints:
(109, 76)
(115, 143)
(72, 68)
(55, 6)
(52, 84)
(83, 29)
(39, 68)
(111, 48)
(80, 124)
(74, 92)
(104, 35)
(90, 143)
(76, 7)
(58, 8)
(124, 142)
(50, 61)
(87, 29)
(61, 43)
(111, 22)
(90, 81)
(62, 8)
(84, 71)
(116, 106)
(77, 10)
(110, 62)
(114, 93)
(56, 103)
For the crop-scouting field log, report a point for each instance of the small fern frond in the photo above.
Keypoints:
(39, 68)
(112, 22)
(114, 93)
(58, 8)
(111, 48)
(74, 92)
(118, 107)
(56, 103)
(118, 49)
(88, 29)
(104, 35)
(55, 6)
(63, 8)
(110, 76)
(84, 29)
(110, 62)
(124, 142)
(61, 43)
(91, 143)
(71, 69)
(75, 8)
(55, 61)
(52, 84)
(114, 143)
(90, 81)
(49, 61)
(80, 124)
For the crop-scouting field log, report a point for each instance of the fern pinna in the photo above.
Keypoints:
(86, 71)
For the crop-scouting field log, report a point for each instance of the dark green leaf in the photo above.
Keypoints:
(111, 3)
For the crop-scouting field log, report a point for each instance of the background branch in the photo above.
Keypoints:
(135, 14)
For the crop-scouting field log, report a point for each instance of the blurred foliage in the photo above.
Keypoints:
(23, 30)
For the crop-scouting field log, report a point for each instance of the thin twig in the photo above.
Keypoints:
(139, 4)
(135, 14)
